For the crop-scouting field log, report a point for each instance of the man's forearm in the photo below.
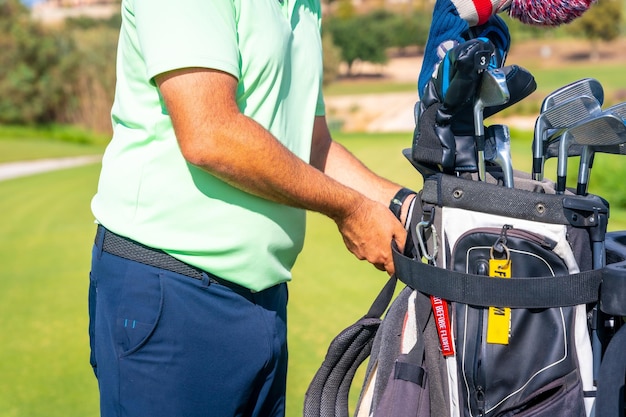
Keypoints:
(348, 170)
(337, 162)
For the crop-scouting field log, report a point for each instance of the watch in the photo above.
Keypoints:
(396, 202)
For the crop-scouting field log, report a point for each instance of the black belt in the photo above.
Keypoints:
(126, 248)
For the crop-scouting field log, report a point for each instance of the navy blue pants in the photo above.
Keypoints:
(164, 344)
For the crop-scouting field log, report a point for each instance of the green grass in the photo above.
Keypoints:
(18, 143)
(30, 149)
(610, 76)
(45, 240)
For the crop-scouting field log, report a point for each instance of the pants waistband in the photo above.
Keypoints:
(126, 248)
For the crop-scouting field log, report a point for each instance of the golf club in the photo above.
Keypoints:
(559, 117)
(584, 87)
(588, 152)
(498, 150)
(617, 109)
(588, 87)
(492, 91)
(603, 130)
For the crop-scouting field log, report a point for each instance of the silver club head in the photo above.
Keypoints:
(618, 110)
(560, 116)
(587, 152)
(584, 87)
(498, 151)
(603, 130)
(493, 91)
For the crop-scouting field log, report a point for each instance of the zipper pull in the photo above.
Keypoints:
(480, 400)
(500, 245)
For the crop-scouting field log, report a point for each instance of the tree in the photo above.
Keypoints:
(362, 38)
(32, 66)
(409, 29)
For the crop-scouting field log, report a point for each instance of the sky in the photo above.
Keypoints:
(30, 2)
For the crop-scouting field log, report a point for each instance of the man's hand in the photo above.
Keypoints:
(368, 232)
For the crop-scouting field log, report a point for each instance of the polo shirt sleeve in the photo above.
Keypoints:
(320, 107)
(174, 34)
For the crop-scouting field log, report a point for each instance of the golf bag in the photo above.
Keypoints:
(517, 346)
(460, 339)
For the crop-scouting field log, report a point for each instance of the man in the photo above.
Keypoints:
(220, 145)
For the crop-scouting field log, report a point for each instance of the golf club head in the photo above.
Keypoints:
(492, 91)
(559, 117)
(618, 110)
(552, 148)
(589, 87)
(459, 73)
(498, 150)
(567, 114)
(584, 87)
(605, 129)
(520, 83)
(606, 140)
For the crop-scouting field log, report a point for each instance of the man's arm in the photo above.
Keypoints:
(337, 162)
(214, 135)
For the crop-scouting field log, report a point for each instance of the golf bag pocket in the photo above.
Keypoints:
(491, 342)
(558, 398)
(407, 393)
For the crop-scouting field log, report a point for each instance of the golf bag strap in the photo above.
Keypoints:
(327, 394)
(479, 290)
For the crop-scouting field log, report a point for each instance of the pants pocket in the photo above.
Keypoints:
(139, 309)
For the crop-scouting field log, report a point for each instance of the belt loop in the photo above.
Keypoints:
(99, 240)
(206, 279)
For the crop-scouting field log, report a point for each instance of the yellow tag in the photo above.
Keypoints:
(499, 318)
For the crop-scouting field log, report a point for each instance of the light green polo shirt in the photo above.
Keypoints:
(149, 193)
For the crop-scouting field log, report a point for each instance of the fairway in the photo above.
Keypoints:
(45, 241)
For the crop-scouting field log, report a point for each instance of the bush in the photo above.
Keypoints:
(33, 64)
(92, 85)
(56, 74)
